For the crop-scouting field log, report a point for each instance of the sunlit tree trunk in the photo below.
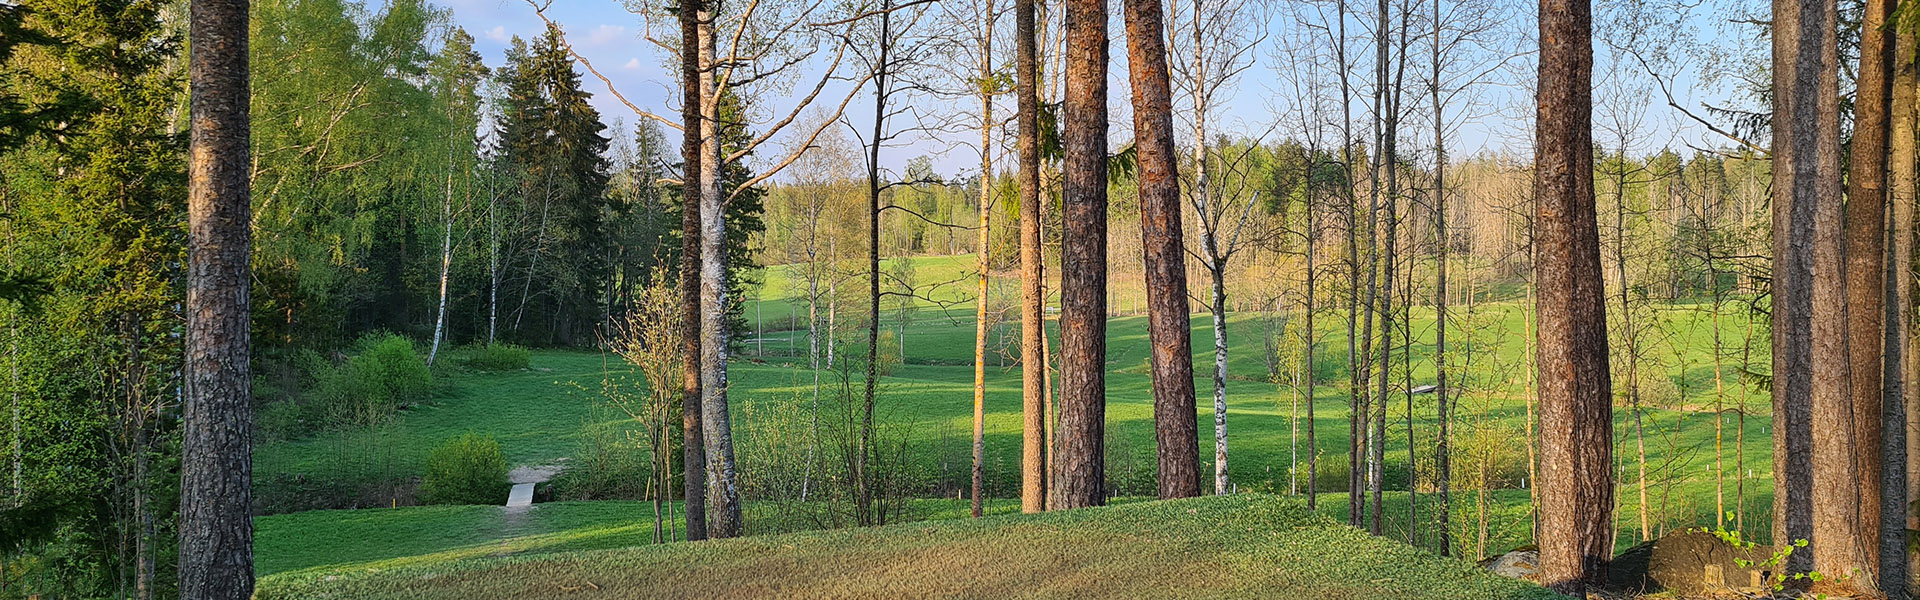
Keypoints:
(1083, 259)
(723, 488)
(216, 464)
(1175, 421)
(1035, 423)
(987, 90)
(1576, 411)
(692, 177)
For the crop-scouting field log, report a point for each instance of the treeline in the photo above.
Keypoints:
(399, 184)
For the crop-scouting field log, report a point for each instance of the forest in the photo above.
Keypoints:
(959, 298)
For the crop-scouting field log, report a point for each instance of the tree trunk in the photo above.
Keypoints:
(216, 464)
(1897, 414)
(1176, 424)
(1810, 387)
(692, 176)
(1083, 259)
(446, 266)
(723, 487)
(1216, 269)
(1866, 263)
(1442, 243)
(986, 219)
(1313, 443)
(1354, 388)
(863, 455)
(493, 262)
(1576, 410)
(1033, 450)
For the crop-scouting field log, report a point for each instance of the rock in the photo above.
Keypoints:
(1518, 564)
(1697, 562)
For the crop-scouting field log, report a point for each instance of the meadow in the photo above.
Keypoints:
(542, 416)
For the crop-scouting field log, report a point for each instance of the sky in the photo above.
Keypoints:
(613, 39)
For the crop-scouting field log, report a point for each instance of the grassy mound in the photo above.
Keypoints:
(1235, 546)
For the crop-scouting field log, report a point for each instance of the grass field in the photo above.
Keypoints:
(540, 414)
(1239, 546)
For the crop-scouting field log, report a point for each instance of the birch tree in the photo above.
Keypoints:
(1212, 47)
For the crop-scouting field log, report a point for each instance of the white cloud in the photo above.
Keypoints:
(632, 64)
(498, 33)
(606, 34)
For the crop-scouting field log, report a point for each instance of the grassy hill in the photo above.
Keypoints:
(1248, 545)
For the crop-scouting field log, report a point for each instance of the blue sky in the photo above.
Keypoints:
(613, 39)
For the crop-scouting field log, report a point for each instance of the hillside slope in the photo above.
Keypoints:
(1234, 546)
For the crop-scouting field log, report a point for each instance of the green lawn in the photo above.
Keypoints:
(382, 538)
(539, 416)
(1248, 545)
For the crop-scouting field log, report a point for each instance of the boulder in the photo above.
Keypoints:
(1518, 564)
(1696, 562)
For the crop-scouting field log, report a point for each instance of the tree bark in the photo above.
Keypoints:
(1083, 259)
(1442, 244)
(693, 446)
(863, 455)
(986, 218)
(446, 266)
(723, 483)
(1797, 66)
(216, 464)
(1576, 410)
(1807, 188)
(1033, 451)
(1897, 413)
(1866, 255)
(1176, 424)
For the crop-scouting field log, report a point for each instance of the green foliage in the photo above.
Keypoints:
(92, 208)
(469, 469)
(497, 357)
(386, 375)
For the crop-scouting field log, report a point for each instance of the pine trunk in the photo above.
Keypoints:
(1083, 258)
(1797, 64)
(1864, 222)
(1576, 411)
(1176, 424)
(216, 464)
(1034, 446)
(693, 446)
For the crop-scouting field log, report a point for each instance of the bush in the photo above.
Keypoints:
(387, 374)
(469, 469)
(497, 357)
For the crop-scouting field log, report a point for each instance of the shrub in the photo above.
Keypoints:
(497, 357)
(469, 469)
(385, 375)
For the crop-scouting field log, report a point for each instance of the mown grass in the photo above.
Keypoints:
(384, 538)
(1248, 545)
(539, 414)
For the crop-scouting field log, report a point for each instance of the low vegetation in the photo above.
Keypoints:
(1246, 545)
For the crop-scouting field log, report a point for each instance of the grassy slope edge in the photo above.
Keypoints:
(1221, 546)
